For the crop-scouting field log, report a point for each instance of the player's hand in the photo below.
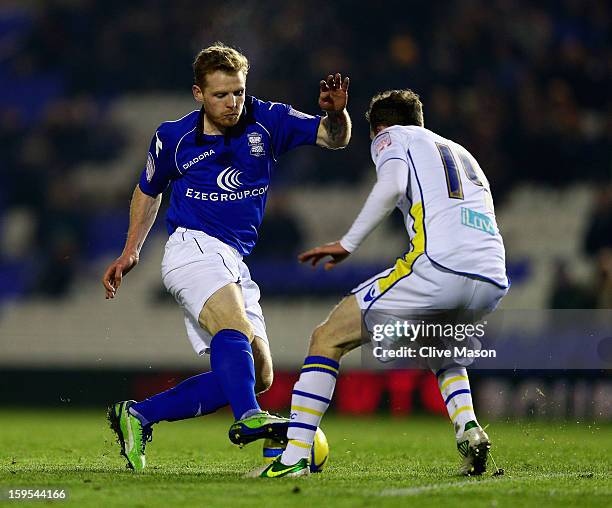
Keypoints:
(333, 95)
(334, 250)
(114, 273)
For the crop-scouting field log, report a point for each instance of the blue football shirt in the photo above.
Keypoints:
(220, 183)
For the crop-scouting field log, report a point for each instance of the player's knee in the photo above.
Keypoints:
(238, 323)
(322, 343)
(244, 326)
(319, 337)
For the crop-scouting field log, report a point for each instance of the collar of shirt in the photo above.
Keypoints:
(246, 118)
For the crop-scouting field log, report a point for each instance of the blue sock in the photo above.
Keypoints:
(198, 395)
(231, 359)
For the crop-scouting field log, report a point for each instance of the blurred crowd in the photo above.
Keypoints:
(524, 85)
(568, 292)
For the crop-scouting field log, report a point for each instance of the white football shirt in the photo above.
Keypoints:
(448, 209)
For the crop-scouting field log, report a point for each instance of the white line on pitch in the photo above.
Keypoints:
(415, 491)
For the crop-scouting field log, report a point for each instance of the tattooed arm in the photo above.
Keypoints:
(335, 128)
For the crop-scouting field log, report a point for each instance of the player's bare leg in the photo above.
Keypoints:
(340, 333)
(225, 310)
(330, 341)
(201, 394)
(231, 355)
(233, 362)
(264, 371)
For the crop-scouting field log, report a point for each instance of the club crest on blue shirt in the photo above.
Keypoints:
(256, 144)
(150, 167)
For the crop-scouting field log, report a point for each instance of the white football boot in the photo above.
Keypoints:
(473, 446)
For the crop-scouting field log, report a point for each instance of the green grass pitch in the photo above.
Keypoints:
(375, 462)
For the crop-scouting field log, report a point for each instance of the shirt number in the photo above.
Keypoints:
(451, 169)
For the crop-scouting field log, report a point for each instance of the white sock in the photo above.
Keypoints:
(311, 397)
(455, 389)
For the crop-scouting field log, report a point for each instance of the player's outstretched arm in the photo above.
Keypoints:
(389, 188)
(335, 128)
(143, 210)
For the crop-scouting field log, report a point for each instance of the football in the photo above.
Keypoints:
(319, 453)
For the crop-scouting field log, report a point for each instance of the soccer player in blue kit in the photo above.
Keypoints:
(218, 161)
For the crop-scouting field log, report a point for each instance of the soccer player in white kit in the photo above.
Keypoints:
(455, 262)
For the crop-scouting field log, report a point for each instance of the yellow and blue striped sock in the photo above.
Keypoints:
(455, 389)
(310, 399)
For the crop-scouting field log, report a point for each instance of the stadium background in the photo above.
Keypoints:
(84, 84)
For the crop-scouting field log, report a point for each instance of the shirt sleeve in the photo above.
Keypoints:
(387, 145)
(389, 188)
(289, 127)
(160, 168)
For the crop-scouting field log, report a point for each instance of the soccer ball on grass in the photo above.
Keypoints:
(319, 453)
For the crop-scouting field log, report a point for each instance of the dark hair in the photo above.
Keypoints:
(217, 57)
(395, 107)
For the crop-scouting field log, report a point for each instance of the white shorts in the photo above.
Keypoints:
(194, 267)
(417, 288)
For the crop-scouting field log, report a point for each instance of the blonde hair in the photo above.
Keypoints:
(218, 57)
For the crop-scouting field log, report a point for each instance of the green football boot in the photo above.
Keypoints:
(262, 425)
(131, 434)
(278, 470)
(473, 446)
